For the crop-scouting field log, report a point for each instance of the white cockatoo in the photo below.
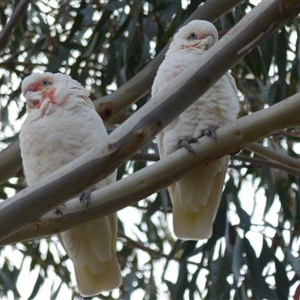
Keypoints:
(196, 196)
(61, 125)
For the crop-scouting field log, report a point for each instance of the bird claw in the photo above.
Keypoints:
(187, 144)
(59, 210)
(86, 197)
(210, 132)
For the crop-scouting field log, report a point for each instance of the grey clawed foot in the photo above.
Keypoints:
(59, 211)
(210, 131)
(187, 144)
(86, 197)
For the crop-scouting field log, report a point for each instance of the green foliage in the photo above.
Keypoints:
(254, 250)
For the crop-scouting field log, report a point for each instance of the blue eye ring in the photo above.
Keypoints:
(193, 36)
(45, 83)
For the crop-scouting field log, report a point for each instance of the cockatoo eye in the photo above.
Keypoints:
(45, 83)
(193, 36)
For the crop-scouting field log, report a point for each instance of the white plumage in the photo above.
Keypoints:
(196, 196)
(62, 124)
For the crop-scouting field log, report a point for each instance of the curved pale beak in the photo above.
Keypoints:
(209, 41)
(33, 98)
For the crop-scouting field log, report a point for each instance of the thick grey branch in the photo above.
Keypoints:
(134, 133)
(149, 180)
(138, 86)
(131, 91)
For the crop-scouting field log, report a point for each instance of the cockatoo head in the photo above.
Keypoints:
(45, 90)
(198, 34)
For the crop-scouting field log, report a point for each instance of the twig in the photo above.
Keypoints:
(274, 155)
(266, 163)
(295, 134)
(134, 244)
(12, 23)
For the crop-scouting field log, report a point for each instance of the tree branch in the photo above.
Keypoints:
(295, 134)
(134, 133)
(266, 163)
(10, 162)
(13, 22)
(141, 156)
(158, 175)
(271, 154)
(111, 105)
(138, 245)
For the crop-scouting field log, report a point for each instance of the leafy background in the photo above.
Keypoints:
(254, 250)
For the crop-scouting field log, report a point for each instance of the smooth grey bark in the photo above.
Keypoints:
(111, 105)
(149, 180)
(134, 133)
(131, 91)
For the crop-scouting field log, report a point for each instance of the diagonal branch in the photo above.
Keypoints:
(274, 155)
(151, 179)
(12, 23)
(261, 162)
(134, 89)
(111, 105)
(138, 130)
